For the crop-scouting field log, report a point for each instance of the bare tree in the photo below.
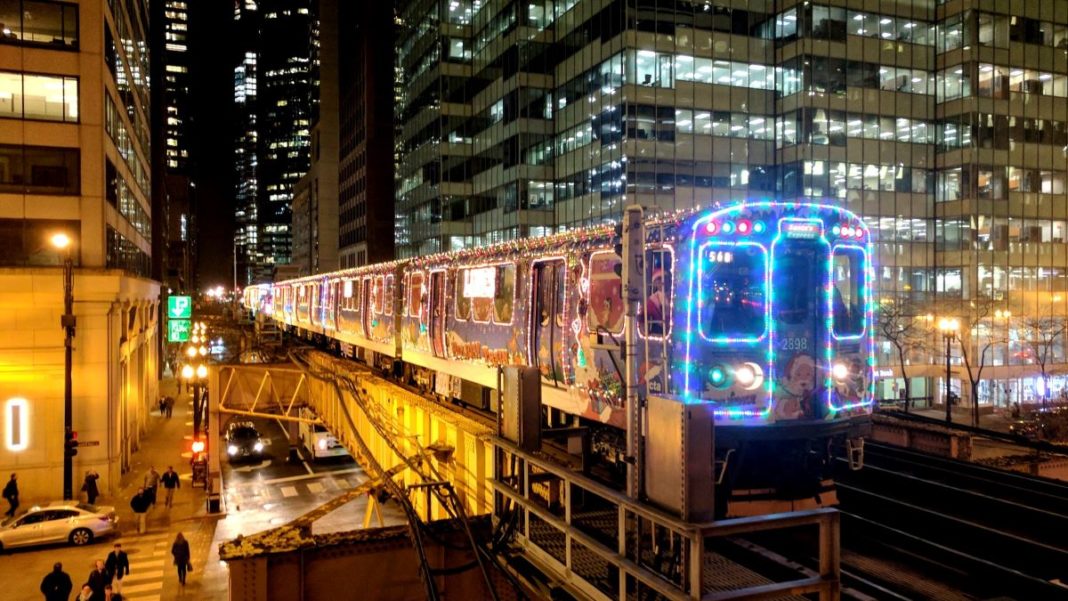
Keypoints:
(1042, 333)
(901, 324)
(983, 308)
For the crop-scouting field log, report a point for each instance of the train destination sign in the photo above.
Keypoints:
(480, 282)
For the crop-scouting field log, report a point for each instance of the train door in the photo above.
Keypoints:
(547, 320)
(365, 307)
(799, 315)
(437, 312)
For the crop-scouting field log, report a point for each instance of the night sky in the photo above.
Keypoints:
(212, 59)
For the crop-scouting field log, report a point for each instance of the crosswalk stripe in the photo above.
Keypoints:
(289, 491)
(155, 575)
(315, 487)
(153, 563)
(142, 588)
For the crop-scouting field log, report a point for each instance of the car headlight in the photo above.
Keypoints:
(258, 447)
(322, 443)
(231, 450)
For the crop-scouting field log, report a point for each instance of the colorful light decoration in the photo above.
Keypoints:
(730, 221)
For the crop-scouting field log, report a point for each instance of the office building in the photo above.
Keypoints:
(74, 158)
(367, 217)
(943, 124)
(275, 81)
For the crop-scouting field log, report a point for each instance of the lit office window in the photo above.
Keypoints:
(45, 97)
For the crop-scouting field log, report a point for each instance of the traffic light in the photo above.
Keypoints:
(72, 443)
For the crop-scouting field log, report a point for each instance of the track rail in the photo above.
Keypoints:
(991, 531)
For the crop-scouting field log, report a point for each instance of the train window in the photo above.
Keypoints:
(731, 300)
(606, 294)
(388, 292)
(415, 294)
(658, 282)
(504, 294)
(377, 294)
(463, 301)
(847, 277)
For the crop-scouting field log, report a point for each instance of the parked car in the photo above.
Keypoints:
(243, 441)
(70, 521)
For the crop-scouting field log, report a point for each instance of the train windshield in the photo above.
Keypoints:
(847, 273)
(732, 295)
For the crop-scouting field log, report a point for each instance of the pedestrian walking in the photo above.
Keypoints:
(98, 579)
(110, 594)
(170, 482)
(162, 404)
(56, 585)
(151, 484)
(118, 565)
(86, 594)
(180, 551)
(11, 493)
(139, 503)
(169, 402)
(89, 487)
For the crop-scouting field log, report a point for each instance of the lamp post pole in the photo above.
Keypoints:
(68, 323)
(949, 399)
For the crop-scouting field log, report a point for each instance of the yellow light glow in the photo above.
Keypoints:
(16, 424)
(60, 240)
(191, 352)
(187, 372)
(203, 350)
(202, 372)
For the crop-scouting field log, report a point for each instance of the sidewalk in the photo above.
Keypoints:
(166, 443)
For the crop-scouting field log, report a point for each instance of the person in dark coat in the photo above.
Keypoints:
(90, 487)
(139, 503)
(170, 482)
(180, 551)
(98, 579)
(117, 565)
(56, 586)
(11, 493)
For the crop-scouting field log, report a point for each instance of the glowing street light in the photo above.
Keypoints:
(949, 327)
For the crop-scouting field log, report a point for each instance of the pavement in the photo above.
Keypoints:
(153, 576)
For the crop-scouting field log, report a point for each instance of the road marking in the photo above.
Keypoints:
(294, 478)
(141, 588)
(315, 487)
(142, 565)
(289, 491)
(138, 577)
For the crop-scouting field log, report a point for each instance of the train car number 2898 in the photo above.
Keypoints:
(794, 344)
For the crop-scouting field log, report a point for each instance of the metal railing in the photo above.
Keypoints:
(605, 545)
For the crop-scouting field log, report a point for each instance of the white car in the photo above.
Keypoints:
(70, 521)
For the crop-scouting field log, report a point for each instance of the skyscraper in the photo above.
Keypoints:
(944, 126)
(275, 80)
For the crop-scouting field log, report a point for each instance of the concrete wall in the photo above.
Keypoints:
(375, 564)
(114, 374)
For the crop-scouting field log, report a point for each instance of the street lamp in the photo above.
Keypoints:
(61, 241)
(949, 327)
(194, 377)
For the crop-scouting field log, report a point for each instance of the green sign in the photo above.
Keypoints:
(178, 330)
(179, 307)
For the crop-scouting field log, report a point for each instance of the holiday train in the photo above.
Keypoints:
(762, 309)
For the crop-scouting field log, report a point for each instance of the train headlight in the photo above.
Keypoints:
(840, 371)
(718, 376)
(749, 376)
(744, 375)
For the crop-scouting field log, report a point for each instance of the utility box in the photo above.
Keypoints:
(680, 458)
(520, 413)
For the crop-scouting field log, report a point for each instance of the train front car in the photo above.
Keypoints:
(777, 332)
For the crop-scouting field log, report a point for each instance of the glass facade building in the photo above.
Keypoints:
(275, 81)
(942, 123)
